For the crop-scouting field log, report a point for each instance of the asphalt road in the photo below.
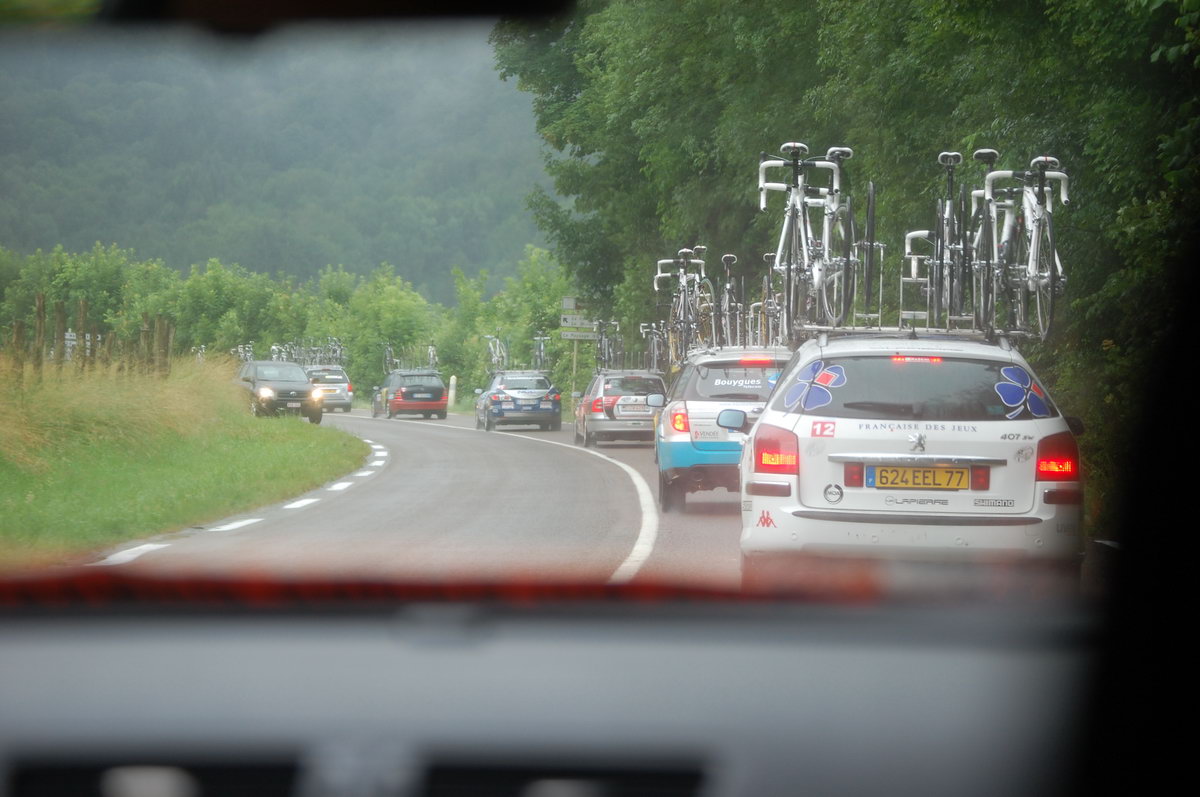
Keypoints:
(440, 499)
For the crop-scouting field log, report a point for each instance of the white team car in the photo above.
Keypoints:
(932, 448)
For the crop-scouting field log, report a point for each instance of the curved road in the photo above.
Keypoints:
(439, 499)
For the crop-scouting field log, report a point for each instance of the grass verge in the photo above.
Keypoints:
(89, 460)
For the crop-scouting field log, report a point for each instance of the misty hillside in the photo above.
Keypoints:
(284, 154)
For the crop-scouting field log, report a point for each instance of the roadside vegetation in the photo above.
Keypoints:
(89, 459)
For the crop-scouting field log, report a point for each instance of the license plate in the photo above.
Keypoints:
(292, 404)
(897, 478)
(633, 409)
(507, 405)
(422, 395)
(547, 405)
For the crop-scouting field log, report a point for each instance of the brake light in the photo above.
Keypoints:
(349, 387)
(598, 404)
(557, 397)
(759, 360)
(497, 397)
(776, 451)
(909, 358)
(679, 421)
(1058, 458)
(852, 474)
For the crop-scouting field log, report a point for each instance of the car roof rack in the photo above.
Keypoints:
(1006, 339)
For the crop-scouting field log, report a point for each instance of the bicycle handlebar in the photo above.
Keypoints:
(992, 177)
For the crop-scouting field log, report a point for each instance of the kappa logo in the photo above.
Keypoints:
(765, 519)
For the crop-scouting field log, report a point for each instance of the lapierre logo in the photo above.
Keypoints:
(892, 500)
(1005, 502)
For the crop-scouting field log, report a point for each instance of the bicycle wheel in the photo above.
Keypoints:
(937, 269)
(985, 274)
(1047, 276)
(837, 278)
(705, 314)
(869, 254)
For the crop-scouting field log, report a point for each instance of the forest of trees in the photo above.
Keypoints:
(285, 155)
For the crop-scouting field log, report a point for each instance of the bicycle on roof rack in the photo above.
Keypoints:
(656, 346)
(690, 324)
(816, 258)
(497, 353)
(729, 326)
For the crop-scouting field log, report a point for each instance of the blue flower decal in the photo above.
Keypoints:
(1021, 393)
(811, 389)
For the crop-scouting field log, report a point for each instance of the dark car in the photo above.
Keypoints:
(614, 407)
(276, 387)
(419, 391)
(337, 392)
(519, 397)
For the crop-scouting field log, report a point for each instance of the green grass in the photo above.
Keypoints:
(91, 460)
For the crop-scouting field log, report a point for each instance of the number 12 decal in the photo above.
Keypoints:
(823, 428)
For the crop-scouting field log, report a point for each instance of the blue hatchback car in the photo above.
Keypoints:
(518, 397)
(692, 452)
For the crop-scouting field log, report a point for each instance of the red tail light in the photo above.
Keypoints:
(1058, 458)
(349, 388)
(598, 404)
(852, 474)
(556, 397)
(756, 360)
(679, 421)
(776, 451)
(497, 397)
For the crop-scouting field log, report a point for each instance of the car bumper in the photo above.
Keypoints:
(780, 525)
(397, 407)
(629, 428)
(282, 405)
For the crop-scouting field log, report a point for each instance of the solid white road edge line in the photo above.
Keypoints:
(237, 524)
(129, 554)
(643, 546)
(301, 503)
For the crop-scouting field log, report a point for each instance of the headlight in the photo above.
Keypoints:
(317, 392)
(266, 393)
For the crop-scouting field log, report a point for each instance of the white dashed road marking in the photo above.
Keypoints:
(300, 503)
(378, 463)
(129, 554)
(237, 524)
(339, 486)
(365, 473)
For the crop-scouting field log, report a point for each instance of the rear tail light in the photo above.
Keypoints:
(497, 397)
(776, 451)
(756, 360)
(981, 477)
(555, 397)
(852, 474)
(1058, 458)
(349, 388)
(679, 420)
(598, 404)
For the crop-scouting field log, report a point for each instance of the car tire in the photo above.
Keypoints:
(441, 416)
(556, 425)
(315, 417)
(489, 424)
(589, 439)
(426, 415)
(478, 421)
(345, 409)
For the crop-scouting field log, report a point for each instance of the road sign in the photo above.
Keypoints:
(566, 320)
(572, 334)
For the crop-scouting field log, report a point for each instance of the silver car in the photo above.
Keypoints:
(337, 392)
(614, 407)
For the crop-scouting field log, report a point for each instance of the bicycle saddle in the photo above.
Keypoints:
(728, 260)
(988, 156)
(1044, 162)
(952, 158)
(839, 154)
(794, 149)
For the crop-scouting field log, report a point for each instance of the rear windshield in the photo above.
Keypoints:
(328, 377)
(525, 383)
(730, 382)
(914, 388)
(419, 380)
(632, 385)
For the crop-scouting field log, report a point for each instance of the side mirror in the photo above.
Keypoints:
(733, 420)
(576, 394)
(374, 388)
(248, 379)
(478, 391)
(1076, 425)
(656, 400)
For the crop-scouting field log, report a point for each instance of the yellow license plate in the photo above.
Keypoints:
(889, 478)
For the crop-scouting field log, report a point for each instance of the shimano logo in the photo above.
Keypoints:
(1005, 502)
(892, 500)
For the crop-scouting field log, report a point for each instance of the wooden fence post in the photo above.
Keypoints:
(60, 334)
(144, 343)
(18, 353)
(81, 340)
(39, 337)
